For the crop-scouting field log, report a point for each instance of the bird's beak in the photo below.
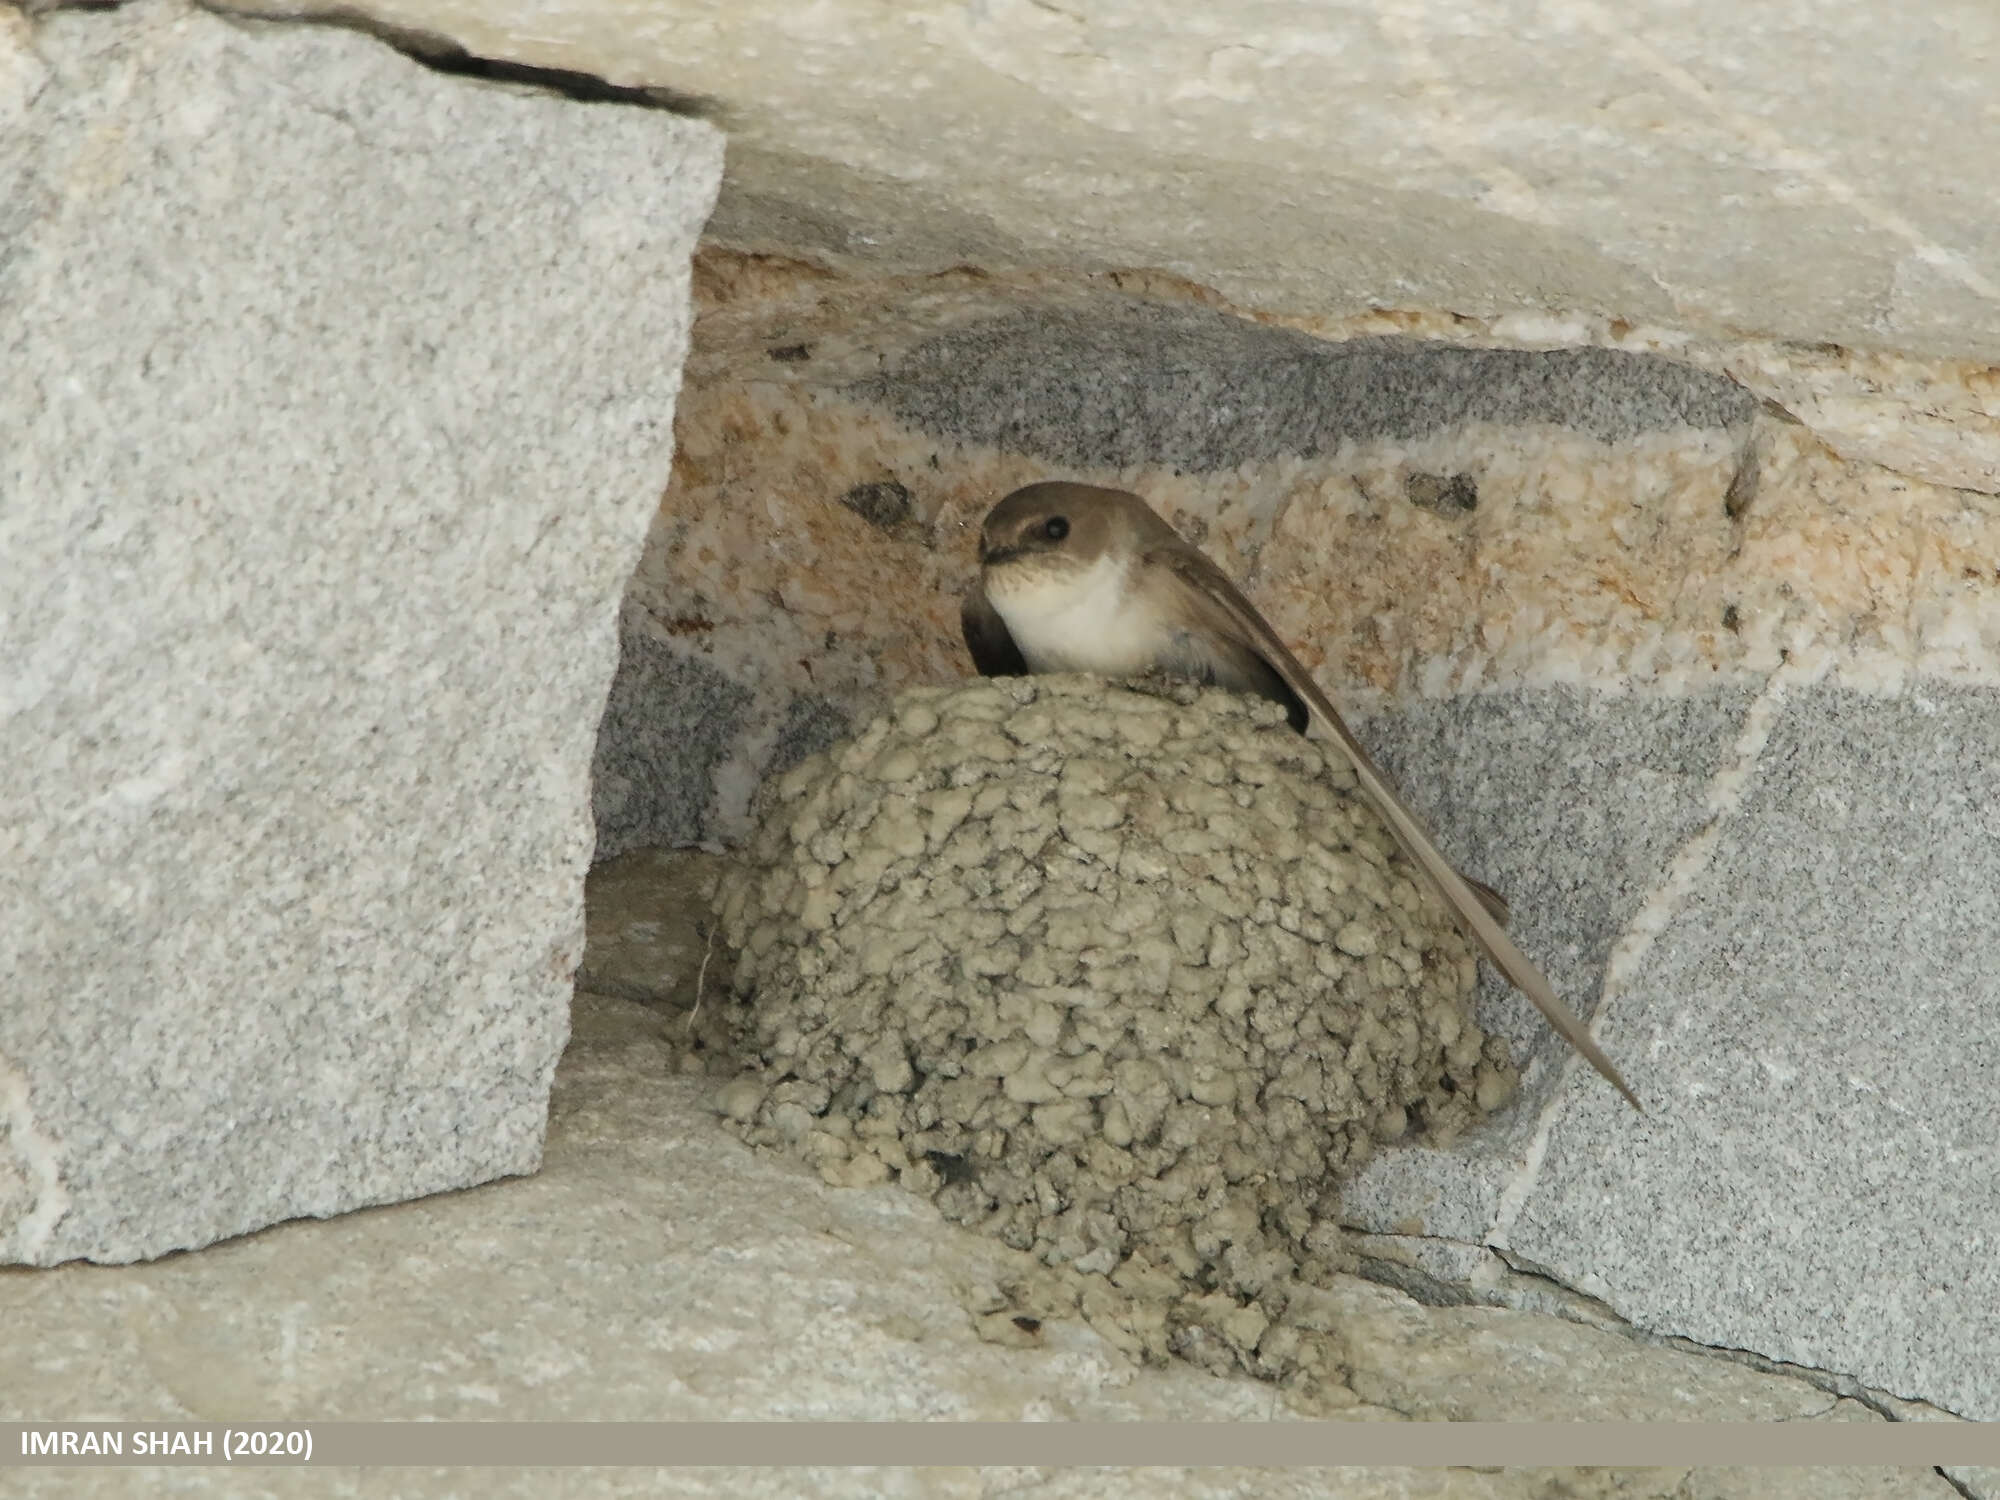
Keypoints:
(991, 553)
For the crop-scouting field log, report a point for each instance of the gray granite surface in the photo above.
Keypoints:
(335, 396)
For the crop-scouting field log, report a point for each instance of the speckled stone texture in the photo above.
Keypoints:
(1818, 1174)
(668, 723)
(1194, 388)
(1573, 802)
(1825, 1030)
(336, 395)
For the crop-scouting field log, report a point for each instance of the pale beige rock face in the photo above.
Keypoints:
(1809, 172)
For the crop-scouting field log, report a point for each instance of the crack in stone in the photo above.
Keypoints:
(1572, 1306)
(441, 54)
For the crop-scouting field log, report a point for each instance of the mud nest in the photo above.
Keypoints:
(1130, 977)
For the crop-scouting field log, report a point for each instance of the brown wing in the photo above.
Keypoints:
(1489, 898)
(1226, 662)
(1209, 596)
(994, 653)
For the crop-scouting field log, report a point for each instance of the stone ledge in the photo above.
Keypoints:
(656, 1269)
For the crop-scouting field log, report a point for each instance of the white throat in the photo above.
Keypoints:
(1077, 620)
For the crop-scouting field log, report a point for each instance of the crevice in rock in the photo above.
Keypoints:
(34, 8)
(1548, 1294)
(443, 55)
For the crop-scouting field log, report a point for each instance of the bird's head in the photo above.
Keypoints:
(1058, 522)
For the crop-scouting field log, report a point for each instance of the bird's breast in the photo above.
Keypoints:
(1083, 619)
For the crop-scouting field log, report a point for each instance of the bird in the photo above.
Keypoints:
(1078, 578)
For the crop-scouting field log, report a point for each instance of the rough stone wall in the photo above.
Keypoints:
(1709, 692)
(1702, 688)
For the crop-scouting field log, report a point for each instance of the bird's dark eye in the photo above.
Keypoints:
(1055, 528)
